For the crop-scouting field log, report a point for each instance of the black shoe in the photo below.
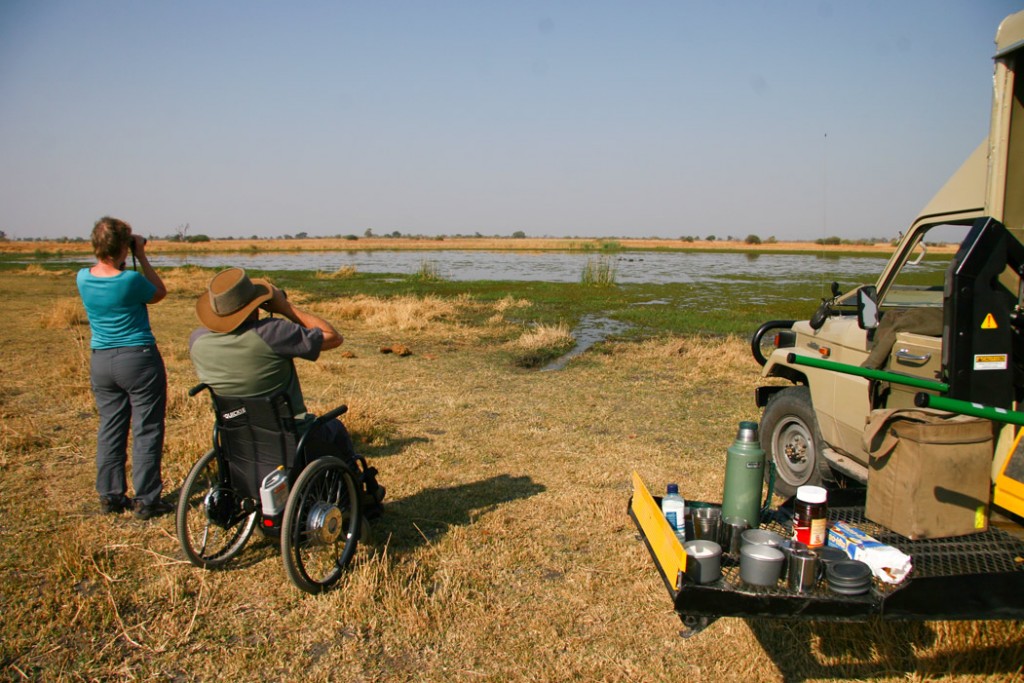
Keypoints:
(372, 510)
(114, 505)
(373, 491)
(157, 509)
(373, 506)
(377, 493)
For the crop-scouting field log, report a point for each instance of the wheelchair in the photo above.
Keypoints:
(221, 503)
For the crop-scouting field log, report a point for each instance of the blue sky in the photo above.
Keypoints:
(790, 119)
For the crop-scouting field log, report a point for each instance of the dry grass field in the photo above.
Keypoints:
(505, 552)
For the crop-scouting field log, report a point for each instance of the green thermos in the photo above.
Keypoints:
(744, 476)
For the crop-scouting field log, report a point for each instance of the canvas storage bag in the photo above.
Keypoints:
(928, 474)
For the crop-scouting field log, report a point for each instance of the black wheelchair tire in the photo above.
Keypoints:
(325, 485)
(194, 527)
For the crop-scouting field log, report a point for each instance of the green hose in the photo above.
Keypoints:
(882, 375)
(952, 405)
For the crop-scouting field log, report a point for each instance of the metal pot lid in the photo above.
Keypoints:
(846, 590)
(848, 572)
(848, 584)
(827, 553)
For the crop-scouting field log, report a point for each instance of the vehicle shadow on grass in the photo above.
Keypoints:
(805, 650)
(426, 516)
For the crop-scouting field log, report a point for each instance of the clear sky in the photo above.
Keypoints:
(576, 118)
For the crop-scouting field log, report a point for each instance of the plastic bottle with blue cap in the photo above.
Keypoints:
(674, 508)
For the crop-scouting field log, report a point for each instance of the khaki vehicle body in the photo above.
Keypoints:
(814, 428)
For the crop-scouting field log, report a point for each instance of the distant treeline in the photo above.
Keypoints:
(181, 235)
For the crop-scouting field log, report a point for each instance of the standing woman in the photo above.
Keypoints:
(127, 373)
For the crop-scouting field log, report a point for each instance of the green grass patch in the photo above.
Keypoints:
(653, 309)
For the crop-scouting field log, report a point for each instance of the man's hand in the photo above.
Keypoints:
(278, 303)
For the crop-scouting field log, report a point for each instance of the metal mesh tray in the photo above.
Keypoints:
(980, 576)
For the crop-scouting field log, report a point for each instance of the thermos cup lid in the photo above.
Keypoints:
(747, 432)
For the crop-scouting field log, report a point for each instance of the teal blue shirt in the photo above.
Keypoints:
(116, 307)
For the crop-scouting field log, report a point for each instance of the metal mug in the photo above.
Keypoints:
(804, 571)
(706, 522)
(730, 533)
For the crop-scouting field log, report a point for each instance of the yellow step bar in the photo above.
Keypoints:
(661, 539)
(1009, 488)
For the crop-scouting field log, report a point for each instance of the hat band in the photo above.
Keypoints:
(234, 299)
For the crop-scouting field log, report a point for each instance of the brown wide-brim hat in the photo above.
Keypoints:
(229, 299)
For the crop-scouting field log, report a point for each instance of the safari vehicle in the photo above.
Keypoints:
(958, 317)
(942, 326)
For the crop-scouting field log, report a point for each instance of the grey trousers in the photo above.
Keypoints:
(130, 387)
(330, 438)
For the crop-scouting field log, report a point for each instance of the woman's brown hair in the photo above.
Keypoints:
(110, 237)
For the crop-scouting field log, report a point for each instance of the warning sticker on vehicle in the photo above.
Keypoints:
(994, 361)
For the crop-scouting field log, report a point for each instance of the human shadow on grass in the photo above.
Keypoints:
(871, 649)
(393, 446)
(426, 516)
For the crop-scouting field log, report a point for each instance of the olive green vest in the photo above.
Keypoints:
(242, 364)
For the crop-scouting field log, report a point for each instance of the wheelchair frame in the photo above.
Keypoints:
(219, 505)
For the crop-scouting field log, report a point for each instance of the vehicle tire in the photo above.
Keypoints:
(791, 439)
(321, 524)
(210, 534)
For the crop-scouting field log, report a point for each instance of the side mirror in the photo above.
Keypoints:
(867, 307)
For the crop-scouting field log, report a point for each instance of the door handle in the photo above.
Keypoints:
(905, 356)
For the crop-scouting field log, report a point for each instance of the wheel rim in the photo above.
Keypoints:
(202, 532)
(320, 535)
(792, 440)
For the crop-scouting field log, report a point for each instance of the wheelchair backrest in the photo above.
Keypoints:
(256, 435)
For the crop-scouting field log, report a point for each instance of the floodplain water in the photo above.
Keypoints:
(629, 267)
(748, 272)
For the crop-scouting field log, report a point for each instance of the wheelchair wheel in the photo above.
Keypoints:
(321, 522)
(212, 526)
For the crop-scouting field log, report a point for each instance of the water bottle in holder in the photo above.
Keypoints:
(274, 492)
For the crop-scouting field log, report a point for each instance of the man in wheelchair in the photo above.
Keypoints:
(238, 354)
